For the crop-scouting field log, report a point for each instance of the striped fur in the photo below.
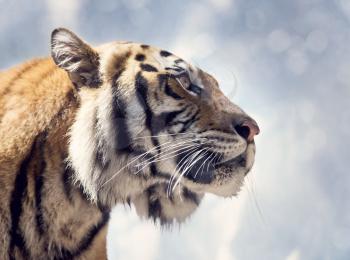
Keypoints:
(94, 127)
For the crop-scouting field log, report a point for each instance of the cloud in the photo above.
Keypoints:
(294, 255)
(131, 239)
(63, 13)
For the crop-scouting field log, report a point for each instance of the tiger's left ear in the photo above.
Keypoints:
(76, 57)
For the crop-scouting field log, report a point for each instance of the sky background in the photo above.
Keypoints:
(287, 63)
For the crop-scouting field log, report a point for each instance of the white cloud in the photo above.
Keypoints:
(195, 30)
(221, 5)
(278, 41)
(130, 238)
(135, 4)
(297, 61)
(294, 255)
(344, 6)
(63, 13)
(317, 41)
(255, 19)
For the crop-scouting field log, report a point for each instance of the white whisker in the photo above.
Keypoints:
(177, 170)
(197, 156)
(163, 135)
(166, 150)
(203, 163)
(157, 160)
(135, 159)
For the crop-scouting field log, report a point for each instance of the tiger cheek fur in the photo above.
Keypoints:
(94, 127)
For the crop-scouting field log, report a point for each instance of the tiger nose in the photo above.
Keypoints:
(247, 129)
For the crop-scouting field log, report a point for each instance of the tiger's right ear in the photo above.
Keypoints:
(75, 56)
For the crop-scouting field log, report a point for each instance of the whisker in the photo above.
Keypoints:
(212, 160)
(135, 159)
(157, 160)
(149, 151)
(203, 163)
(177, 170)
(255, 201)
(166, 156)
(189, 165)
(163, 135)
(166, 150)
(196, 157)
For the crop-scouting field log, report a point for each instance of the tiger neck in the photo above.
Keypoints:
(66, 223)
(77, 222)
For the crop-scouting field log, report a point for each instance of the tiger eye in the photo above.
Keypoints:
(185, 81)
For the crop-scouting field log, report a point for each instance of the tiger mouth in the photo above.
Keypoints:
(227, 168)
(239, 160)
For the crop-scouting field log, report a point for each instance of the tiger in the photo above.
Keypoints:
(121, 123)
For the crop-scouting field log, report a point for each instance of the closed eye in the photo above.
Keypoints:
(185, 82)
(195, 89)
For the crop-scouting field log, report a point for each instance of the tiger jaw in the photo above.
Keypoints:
(228, 177)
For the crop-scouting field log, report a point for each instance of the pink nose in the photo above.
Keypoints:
(248, 129)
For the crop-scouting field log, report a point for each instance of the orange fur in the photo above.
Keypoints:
(38, 97)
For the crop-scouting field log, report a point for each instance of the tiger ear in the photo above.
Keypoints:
(75, 56)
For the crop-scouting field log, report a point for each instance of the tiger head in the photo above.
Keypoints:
(151, 129)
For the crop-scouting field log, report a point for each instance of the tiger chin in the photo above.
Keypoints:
(91, 127)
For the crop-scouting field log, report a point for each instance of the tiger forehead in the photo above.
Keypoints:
(141, 57)
(164, 59)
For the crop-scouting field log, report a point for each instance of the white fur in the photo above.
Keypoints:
(82, 146)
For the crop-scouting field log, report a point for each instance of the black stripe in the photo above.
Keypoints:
(119, 116)
(144, 46)
(89, 237)
(148, 67)
(154, 124)
(189, 113)
(153, 169)
(162, 80)
(177, 69)
(39, 182)
(189, 195)
(141, 85)
(85, 243)
(165, 53)
(18, 193)
(179, 61)
(154, 206)
(189, 122)
(20, 188)
(171, 92)
(120, 65)
(188, 116)
(168, 117)
(20, 244)
(140, 57)
(67, 181)
(77, 186)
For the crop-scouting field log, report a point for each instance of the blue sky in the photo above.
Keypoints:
(287, 63)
